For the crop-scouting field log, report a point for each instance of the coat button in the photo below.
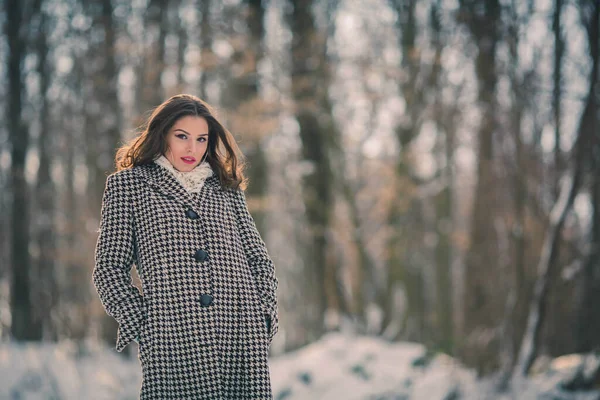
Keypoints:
(206, 300)
(191, 214)
(201, 255)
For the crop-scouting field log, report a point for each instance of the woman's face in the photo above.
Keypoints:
(187, 142)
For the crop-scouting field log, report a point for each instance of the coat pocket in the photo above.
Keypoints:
(148, 323)
(268, 326)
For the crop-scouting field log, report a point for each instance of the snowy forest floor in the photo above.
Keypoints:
(337, 367)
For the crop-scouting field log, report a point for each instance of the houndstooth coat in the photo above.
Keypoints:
(207, 312)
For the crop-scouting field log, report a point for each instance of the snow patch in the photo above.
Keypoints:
(339, 366)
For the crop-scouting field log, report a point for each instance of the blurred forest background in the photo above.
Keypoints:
(420, 170)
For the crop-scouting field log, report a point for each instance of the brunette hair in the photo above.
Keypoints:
(223, 153)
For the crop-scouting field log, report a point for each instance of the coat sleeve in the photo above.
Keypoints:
(114, 256)
(260, 262)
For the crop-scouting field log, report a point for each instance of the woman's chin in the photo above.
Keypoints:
(183, 167)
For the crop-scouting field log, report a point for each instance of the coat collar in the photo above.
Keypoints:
(164, 182)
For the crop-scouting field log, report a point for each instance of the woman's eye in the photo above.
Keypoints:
(202, 139)
(181, 136)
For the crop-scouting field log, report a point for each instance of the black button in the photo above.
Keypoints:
(206, 300)
(191, 214)
(201, 255)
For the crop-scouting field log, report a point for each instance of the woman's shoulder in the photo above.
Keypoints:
(121, 175)
(237, 196)
(124, 177)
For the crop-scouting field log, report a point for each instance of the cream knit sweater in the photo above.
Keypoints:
(193, 180)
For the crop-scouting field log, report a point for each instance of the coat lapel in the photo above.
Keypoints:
(208, 193)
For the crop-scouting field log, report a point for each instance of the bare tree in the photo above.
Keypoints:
(20, 304)
(149, 87)
(515, 307)
(428, 315)
(75, 295)
(444, 308)
(581, 159)
(483, 282)
(182, 46)
(310, 90)
(247, 114)
(559, 50)
(587, 331)
(45, 294)
(206, 53)
(102, 114)
(402, 270)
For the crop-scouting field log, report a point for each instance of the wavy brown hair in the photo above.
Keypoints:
(224, 155)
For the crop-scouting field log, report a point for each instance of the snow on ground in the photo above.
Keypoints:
(337, 367)
(66, 371)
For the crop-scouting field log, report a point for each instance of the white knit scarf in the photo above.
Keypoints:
(193, 180)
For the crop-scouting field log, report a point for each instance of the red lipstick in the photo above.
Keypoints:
(188, 160)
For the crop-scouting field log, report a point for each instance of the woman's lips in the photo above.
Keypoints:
(189, 160)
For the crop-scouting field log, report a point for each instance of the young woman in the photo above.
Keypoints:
(175, 208)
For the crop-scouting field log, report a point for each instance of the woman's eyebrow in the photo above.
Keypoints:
(187, 133)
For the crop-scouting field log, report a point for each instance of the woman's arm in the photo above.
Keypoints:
(261, 265)
(114, 258)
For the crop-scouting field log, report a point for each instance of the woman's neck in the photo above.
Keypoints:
(193, 180)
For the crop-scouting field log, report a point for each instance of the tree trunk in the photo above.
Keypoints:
(310, 84)
(547, 268)
(74, 298)
(103, 122)
(587, 329)
(559, 50)
(255, 156)
(182, 45)
(443, 257)
(46, 291)
(20, 304)
(149, 84)
(367, 289)
(515, 305)
(207, 56)
(248, 116)
(444, 312)
(401, 271)
(546, 271)
(483, 280)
